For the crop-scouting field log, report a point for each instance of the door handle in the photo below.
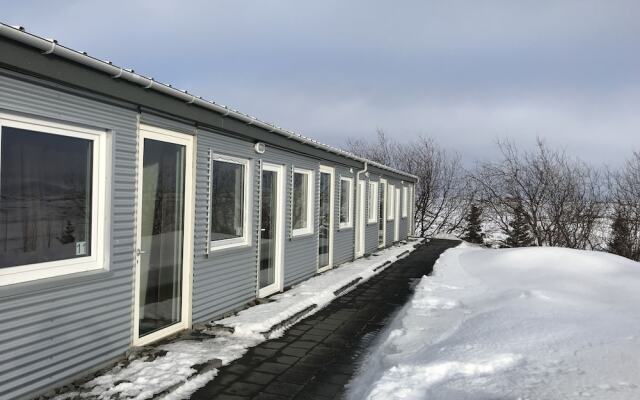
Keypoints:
(139, 252)
(263, 229)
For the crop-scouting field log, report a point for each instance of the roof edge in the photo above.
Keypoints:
(51, 46)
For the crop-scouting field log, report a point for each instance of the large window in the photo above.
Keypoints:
(229, 203)
(52, 190)
(405, 201)
(372, 203)
(391, 202)
(346, 201)
(302, 202)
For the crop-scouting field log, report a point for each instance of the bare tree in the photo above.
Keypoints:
(562, 198)
(443, 193)
(625, 192)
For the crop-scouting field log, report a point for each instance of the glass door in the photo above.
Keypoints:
(272, 199)
(162, 233)
(325, 229)
(360, 215)
(396, 226)
(382, 217)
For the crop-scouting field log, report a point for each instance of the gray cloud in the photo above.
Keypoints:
(464, 72)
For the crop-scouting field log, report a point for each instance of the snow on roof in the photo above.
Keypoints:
(51, 46)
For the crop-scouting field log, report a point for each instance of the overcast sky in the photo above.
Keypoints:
(462, 72)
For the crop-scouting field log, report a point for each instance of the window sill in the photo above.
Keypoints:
(372, 222)
(302, 235)
(59, 281)
(301, 232)
(48, 270)
(344, 228)
(229, 246)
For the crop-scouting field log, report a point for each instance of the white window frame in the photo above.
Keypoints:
(308, 229)
(372, 203)
(391, 202)
(349, 222)
(245, 240)
(100, 221)
(405, 202)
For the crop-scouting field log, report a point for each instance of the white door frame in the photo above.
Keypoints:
(383, 205)
(396, 225)
(332, 195)
(148, 132)
(278, 284)
(360, 217)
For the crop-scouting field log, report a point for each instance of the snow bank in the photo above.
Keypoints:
(173, 376)
(533, 323)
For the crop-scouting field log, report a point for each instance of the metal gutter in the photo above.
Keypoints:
(51, 46)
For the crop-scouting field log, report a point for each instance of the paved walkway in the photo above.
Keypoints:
(315, 358)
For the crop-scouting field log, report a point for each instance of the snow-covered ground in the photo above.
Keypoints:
(532, 323)
(173, 374)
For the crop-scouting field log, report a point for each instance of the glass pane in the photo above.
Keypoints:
(325, 219)
(162, 234)
(371, 204)
(267, 229)
(390, 203)
(381, 211)
(300, 197)
(344, 200)
(45, 197)
(227, 200)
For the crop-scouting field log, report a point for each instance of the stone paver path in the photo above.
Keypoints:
(315, 358)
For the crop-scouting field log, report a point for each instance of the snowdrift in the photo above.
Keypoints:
(532, 323)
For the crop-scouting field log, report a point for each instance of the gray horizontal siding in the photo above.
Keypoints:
(300, 253)
(167, 123)
(54, 329)
(403, 229)
(226, 279)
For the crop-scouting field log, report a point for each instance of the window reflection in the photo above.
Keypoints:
(300, 200)
(45, 197)
(227, 200)
(345, 190)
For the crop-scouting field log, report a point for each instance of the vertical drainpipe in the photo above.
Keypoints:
(356, 226)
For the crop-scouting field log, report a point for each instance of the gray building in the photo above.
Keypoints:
(130, 210)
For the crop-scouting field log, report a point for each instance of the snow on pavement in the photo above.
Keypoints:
(532, 323)
(173, 372)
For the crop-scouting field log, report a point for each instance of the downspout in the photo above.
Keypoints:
(358, 233)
